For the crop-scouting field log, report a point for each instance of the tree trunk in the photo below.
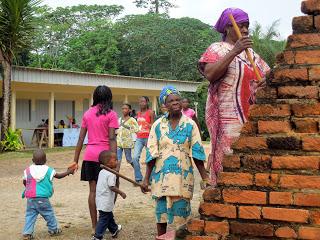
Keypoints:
(6, 97)
(157, 6)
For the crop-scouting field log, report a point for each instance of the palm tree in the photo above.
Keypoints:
(16, 29)
(266, 44)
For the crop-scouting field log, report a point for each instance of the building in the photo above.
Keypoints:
(53, 94)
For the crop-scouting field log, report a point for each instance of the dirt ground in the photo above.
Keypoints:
(135, 214)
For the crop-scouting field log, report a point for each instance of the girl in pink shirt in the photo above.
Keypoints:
(189, 112)
(100, 122)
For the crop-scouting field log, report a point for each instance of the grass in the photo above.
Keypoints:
(27, 153)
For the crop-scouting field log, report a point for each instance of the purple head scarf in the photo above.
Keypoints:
(239, 15)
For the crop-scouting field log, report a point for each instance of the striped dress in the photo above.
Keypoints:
(228, 100)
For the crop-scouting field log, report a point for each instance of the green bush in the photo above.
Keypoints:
(12, 140)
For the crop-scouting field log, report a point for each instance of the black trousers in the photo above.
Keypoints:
(106, 221)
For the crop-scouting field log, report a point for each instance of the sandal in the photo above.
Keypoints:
(28, 237)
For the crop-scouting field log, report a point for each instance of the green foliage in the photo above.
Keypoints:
(12, 140)
(60, 28)
(155, 45)
(264, 43)
(17, 24)
(154, 6)
(93, 51)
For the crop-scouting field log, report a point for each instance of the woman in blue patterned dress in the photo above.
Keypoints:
(173, 142)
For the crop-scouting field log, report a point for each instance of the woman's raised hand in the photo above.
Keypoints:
(242, 44)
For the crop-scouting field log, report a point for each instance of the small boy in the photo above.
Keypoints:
(105, 195)
(37, 180)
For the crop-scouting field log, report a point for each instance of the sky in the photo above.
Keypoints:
(208, 11)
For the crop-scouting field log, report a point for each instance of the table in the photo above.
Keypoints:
(39, 136)
(70, 136)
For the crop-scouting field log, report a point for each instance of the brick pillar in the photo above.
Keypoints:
(270, 186)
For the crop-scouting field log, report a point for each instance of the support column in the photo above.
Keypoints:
(126, 99)
(13, 110)
(51, 120)
(154, 104)
(78, 110)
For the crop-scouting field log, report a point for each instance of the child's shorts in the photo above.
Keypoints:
(90, 171)
(172, 210)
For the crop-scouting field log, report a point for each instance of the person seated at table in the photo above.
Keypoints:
(62, 124)
(73, 124)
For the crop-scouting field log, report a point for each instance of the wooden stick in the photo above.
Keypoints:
(236, 28)
(120, 175)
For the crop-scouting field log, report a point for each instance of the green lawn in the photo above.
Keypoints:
(27, 153)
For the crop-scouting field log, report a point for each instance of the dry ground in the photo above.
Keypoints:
(70, 202)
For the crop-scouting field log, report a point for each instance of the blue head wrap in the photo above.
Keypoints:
(166, 91)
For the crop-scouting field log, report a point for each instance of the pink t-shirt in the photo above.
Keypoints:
(190, 113)
(98, 132)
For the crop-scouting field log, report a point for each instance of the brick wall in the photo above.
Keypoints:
(270, 187)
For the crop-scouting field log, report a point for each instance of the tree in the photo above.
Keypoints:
(57, 27)
(265, 43)
(16, 30)
(93, 51)
(155, 45)
(155, 5)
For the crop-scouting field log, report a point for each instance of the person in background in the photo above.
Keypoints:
(163, 111)
(145, 120)
(128, 126)
(61, 124)
(189, 112)
(233, 85)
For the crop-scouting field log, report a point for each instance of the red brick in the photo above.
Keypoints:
(302, 110)
(274, 126)
(266, 93)
(286, 232)
(251, 229)
(307, 57)
(300, 182)
(233, 178)
(249, 128)
(307, 199)
(250, 212)
(218, 210)
(306, 126)
(231, 161)
(284, 214)
(311, 143)
(315, 217)
(244, 196)
(253, 143)
(296, 162)
(283, 75)
(304, 40)
(195, 225)
(256, 162)
(281, 110)
(221, 228)
(202, 238)
(314, 74)
(317, 22)
(310, 7)
(266, 180)
(280, 198)
(309, 233)
(298, 91)
(211, 194)
(303, 24)
(288, 57)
